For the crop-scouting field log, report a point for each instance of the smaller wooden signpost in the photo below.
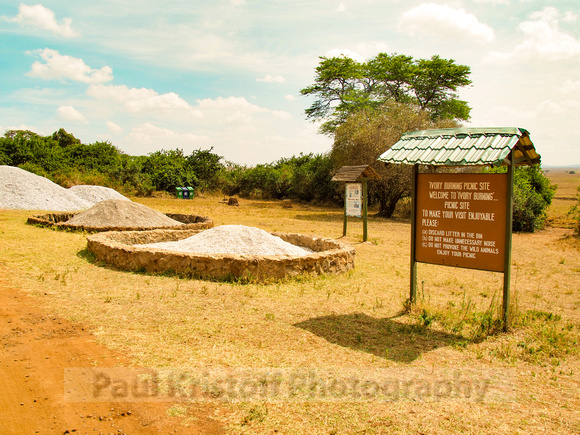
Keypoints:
(463, 219)
(355, 202)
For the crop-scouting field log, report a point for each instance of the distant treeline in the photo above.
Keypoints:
(65, 160)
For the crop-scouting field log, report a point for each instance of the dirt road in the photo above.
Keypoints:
(36, 348)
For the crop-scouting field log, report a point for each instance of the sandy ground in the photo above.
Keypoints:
(36, 348)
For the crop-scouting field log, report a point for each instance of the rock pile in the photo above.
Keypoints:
(233, 239)
(120, 213)
(23, 190)
(95, 194)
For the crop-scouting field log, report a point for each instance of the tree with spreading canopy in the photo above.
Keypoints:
(367, 106)
(343, 86)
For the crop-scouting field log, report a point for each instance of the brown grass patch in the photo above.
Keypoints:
(566, 195)
(351, 320)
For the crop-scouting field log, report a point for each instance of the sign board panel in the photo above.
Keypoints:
(353, 199)
(461, 220)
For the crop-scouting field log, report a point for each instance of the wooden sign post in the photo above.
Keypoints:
(355, 204)
(356, 197)
(463, 219)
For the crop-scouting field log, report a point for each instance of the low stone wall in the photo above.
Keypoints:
(116, 248)
(58, 220)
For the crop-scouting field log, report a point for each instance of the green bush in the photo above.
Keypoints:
(533, 194)
(65, 160)
(168, 169)
(303, 177)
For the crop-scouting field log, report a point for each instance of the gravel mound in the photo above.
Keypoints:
(121, 213)
(23, 190)
(94, 194)
(233, 239)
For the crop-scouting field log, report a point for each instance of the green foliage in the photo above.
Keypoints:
(266, 181)
(343, 87)
(18, 147)
(311, 179)
(65, 139)
(360, 140)
(533, 194)
(207, 168)
(65, 160)
(365, 135)
(368, 106)
(34, 168)
(168, 170)
(303, 177)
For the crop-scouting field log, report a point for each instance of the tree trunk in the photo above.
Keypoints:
(387, 204)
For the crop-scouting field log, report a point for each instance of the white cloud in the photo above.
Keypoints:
(239, 104)
(290, 97)
(559, 108)
(114, 128)
(238, 2)
(570, 87)
(493, 2)
(360, 52)
(551, 107)
(281, 114)
(234, 113)
(337, 52)
(147, 138)
(543, 41)
(142, 100)
(570, 17)
(548, 14)
(59, 67)
(371, 49)
(271, 79)
(43, 18)
(341, 8)
(69, 113)
(430, 19)
(19, 127)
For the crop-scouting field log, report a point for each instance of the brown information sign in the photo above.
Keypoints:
(461, 220)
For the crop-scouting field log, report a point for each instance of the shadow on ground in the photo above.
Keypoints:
(385, 338)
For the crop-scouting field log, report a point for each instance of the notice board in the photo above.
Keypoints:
(354, 199)
(460, 220)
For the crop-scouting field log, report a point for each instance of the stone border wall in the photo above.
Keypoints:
(117, 249)
(58, 220)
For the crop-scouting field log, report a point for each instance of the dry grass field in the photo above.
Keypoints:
(568, 181)
(333, 323)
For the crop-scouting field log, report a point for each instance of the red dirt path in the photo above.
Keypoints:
(36, 348)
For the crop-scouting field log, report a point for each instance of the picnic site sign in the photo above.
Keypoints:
(463, 219)
(460, 220)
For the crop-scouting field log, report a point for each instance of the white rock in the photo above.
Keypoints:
(233, 239)
(94, 194)
(20, 189)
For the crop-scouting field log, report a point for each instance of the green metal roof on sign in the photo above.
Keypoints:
(463, 147)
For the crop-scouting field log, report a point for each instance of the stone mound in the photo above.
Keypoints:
(121, 213)
(128, 250)
(233, 239)
(95, 194)
(23, 190)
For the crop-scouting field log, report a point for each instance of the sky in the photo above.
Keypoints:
(226, 74)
